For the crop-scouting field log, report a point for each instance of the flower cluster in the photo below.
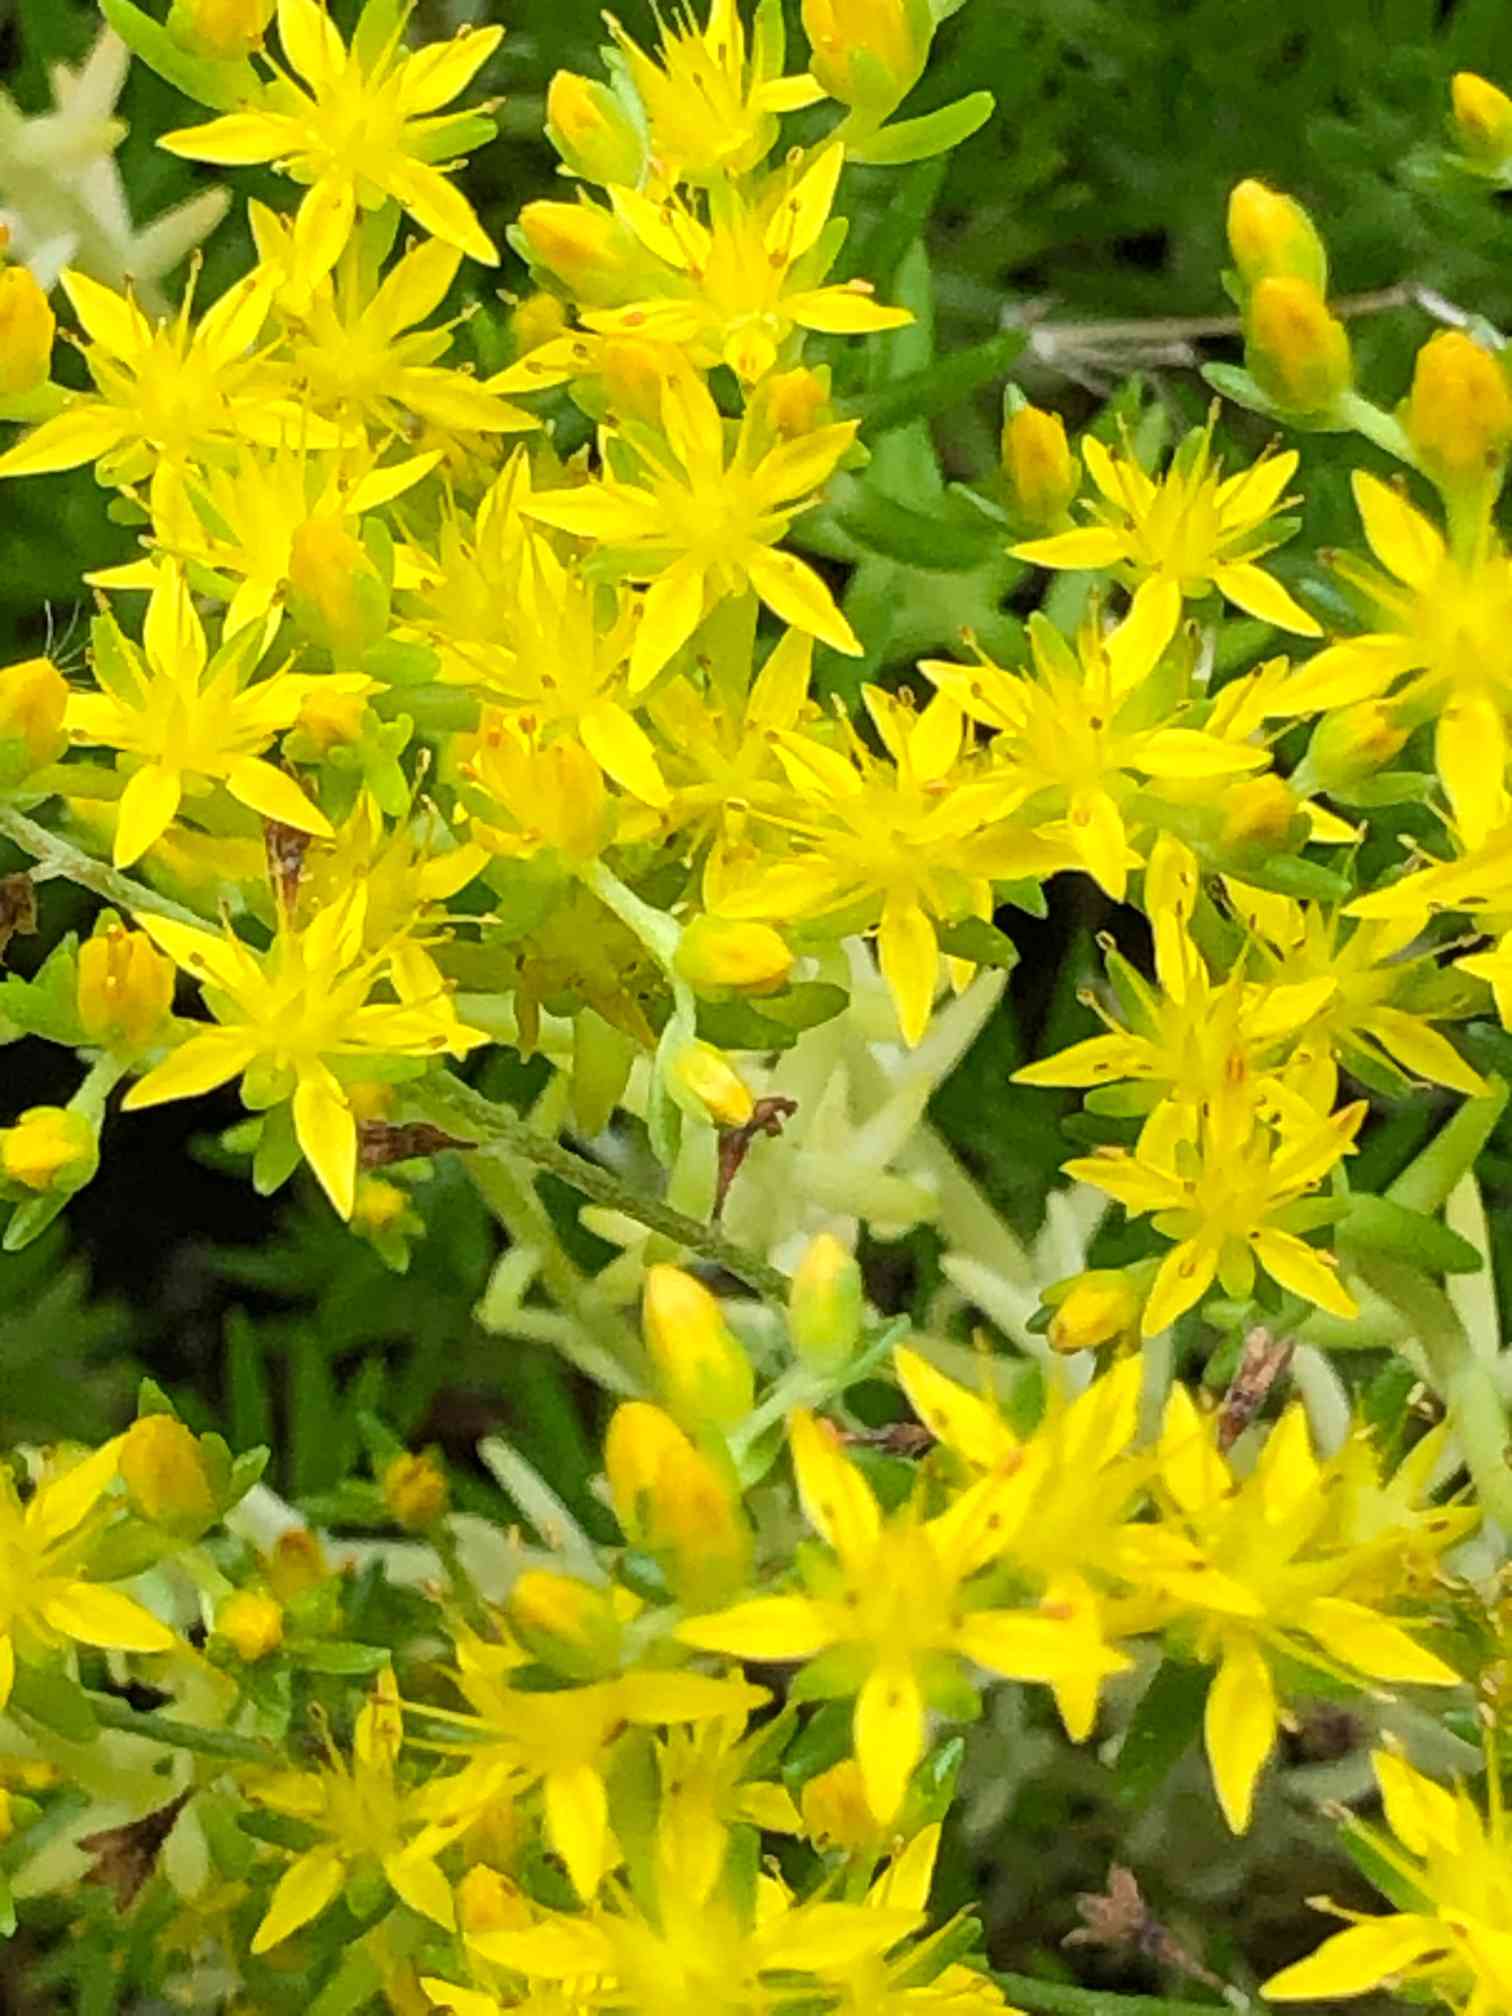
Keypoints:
(476, 685)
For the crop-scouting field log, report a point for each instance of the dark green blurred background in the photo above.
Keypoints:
(1096, 193)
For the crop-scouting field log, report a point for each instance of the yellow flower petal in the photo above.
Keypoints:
(266, 789)
(439, 207)
(793, 591)
(1359, 1959)
(104, 1617)
(417, 1880)
(112, 320)
(7, 1667)
(326, 1129)
(195, 1067)
(1362, 1638)
(1422, 1050)
(837, 1500)
(577, 1826)
(302, 1893)
(83, 434)
(1239, 1728)
(672, 611)
(62, 1501)
(1185, 1276)
(765, 1627)
(1303, 1269)
(622, 748)
(235, 141)
(1402, 539)
(322, 226)
(1470, 751)
(1260, 594)
(1089, 548)
(889, 1737)
(909, 955)
(962, 1421)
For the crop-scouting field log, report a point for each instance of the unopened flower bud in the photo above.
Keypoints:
(540, 318)
(224, 30)
(1352, 743)
(569, 1625)
(164, 1472)
(27, 327)
(1260, 815)
(1041, 472)
(251, 1623)
(335, 591)
(592, 131)
(825, 1305)
(332, 718)
(1482, 119)
(704, 1083)
(296, 1565)
(672, 1500)
(717, 953)
(1297, 352)
(1092, 1309)
(415, 1491)
(585, 246)
(1459, 412)
(33, 700)
(701, 1367)
(868, 53)
(489, 1902)
(378, 1204)
(125, 987)
(49, 1148)
(635, 375)
(794, 401)
(1272, 237)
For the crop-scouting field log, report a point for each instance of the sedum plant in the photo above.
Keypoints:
(480, 687)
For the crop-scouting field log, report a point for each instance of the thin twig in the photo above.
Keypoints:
(155, 1728)
(449, 1103)
(55, 856)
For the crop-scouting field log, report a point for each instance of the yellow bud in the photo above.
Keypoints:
(251, 1623)
(415, 1491)
(540, 318)
(1459, 412)
(224, 30)
(33, 697)
(125, 987)
(335, 591)
(592, 131)
(825, 1305)
(836, 1813)
(489, 1902)
(1041, 472)
(717, 953)
(703, 1082)
(27, 327)
(701, 1367)
(1272, 237)
(674, 1501)
(1483, 119)
(331, 718)
(164, 1472)
(1352, 743)
(868, 53)
(566, 1623)
(1297, 352)
(586, 247)
(1259, 815)
(49, 1148)
(635, 374)
(296, 1565)
(794, 401)
(378, 1204)
(1092, 1309)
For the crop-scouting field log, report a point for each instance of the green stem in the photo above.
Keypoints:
(1463, 1381)
(938, 387)
(1062, 1998)
(455, 1107)
(146, 1722)
(59, 857)
(1424, 1185)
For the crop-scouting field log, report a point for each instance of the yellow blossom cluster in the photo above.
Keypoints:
(468, 689)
